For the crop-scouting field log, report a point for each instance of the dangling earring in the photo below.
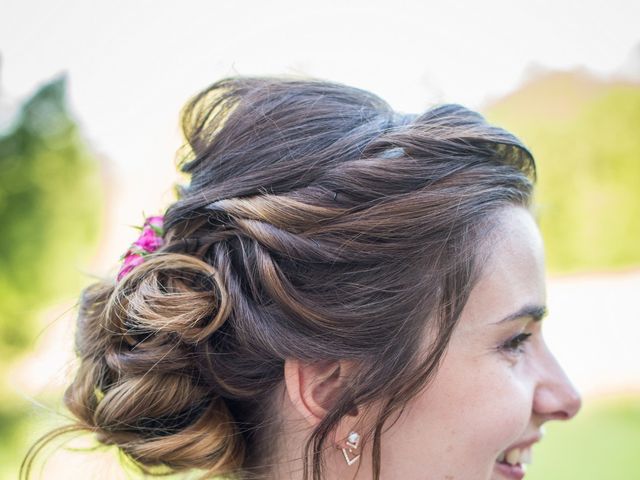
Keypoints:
(352, 444)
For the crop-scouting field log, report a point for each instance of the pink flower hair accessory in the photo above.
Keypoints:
(150, 239)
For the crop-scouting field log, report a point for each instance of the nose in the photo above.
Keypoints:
(555, 397)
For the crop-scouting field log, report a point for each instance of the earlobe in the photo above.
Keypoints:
(313, 387)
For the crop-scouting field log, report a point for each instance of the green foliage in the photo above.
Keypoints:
(584, 135)
(50, 208)
(15, 423)
(50, 211)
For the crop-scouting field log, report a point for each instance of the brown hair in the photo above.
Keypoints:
(317, 224)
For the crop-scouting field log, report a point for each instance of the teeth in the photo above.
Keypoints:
(513, 456)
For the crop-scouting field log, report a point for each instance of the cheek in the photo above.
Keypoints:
(460, 424)
(498, 405)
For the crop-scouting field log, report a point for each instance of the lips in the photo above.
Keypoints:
(512, 462)
(515, 472)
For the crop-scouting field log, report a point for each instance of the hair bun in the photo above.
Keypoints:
(170, 294)
(138, 385)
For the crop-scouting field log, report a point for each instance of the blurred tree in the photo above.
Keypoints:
(50, 211)
(584, 134)
(51, 199)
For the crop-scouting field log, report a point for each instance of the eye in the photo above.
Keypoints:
(516, 344)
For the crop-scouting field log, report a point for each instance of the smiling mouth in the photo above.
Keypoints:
(512, 463)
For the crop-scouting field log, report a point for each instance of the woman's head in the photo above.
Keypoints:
(495, 387)
(327, 266)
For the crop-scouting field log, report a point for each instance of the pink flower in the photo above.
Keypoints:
(155, 221)
(130, 261)
(150, 239)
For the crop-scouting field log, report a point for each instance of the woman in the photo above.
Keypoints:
(341, 291)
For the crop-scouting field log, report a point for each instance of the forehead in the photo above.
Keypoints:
(513, 274)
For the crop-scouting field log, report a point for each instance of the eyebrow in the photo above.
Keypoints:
(536, 312)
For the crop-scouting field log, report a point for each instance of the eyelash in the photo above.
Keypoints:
(516, 343)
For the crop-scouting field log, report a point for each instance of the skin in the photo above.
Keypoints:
(487, 395)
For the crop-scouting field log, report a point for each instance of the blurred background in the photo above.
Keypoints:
(90, 94)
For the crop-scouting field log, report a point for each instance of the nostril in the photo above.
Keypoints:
(557, 401)
(561, 416)
(571, 406)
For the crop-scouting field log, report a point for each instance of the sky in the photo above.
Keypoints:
(131, 65)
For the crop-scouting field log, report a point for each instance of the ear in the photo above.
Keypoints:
(313, 387)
